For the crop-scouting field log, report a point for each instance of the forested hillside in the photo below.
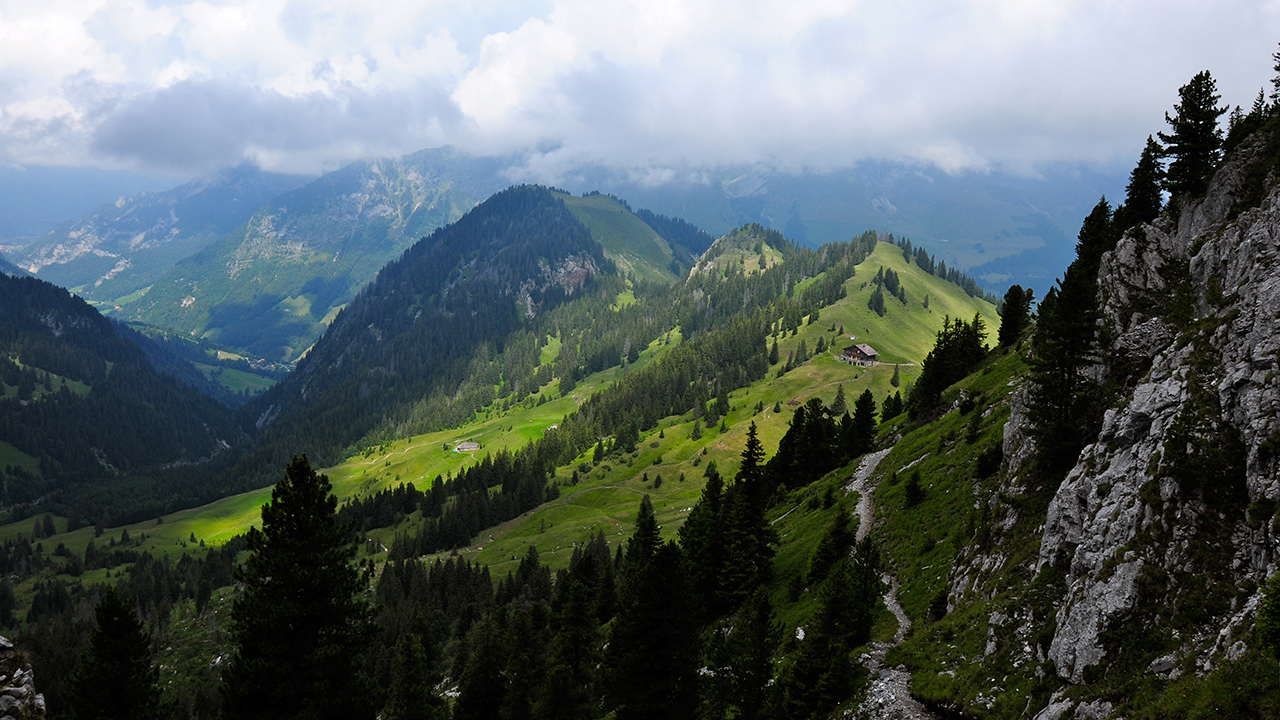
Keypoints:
(509, 312)
(89, 428)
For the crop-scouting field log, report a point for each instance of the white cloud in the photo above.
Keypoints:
(649, 86)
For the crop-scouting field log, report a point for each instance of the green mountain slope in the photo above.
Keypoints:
(605, 496)
(98, 430)
(632, 245)
(122, 248)
(271, 287)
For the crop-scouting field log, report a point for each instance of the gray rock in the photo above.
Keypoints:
(1163, 664)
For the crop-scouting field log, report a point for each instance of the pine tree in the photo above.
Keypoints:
(651, 662)
(1015, 314)
(301, 622)
(896, 380)
(1143, 201)
(1097, 236)
(773, 351)
(839, 405)
(702, 540)
(568, 691)
(1063, 348)
(864, 423)
(1195, 141)
(116, 678)
(411, 697)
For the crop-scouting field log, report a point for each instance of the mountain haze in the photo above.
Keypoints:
(271, 287)
(124, 247)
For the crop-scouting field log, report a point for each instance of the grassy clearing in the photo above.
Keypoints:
(10, 455)
(234, 379)
(634, 246)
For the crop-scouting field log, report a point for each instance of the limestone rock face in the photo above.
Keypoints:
(1189, 312)
(18, 697)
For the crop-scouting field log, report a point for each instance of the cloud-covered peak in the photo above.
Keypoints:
(303, 86)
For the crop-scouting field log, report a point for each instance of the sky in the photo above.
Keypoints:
(654, 87)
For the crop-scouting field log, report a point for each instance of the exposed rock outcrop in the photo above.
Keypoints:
(18, 697)
(1189, 310)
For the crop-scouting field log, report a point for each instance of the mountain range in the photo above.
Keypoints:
(178, 259)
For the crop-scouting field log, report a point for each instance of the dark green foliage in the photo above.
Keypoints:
(741, 659)
(896, 380)
(959, 347)
(1143, 201)
(892, 407)
(839, 405)
(822, 674)
(570, 685)
(411, 696)
(301, 622)
(1195, 142)
(1268, 627)
(1015, 314)
(913, 490)
(116, 678)
(111, 445)
(876, 302)
(864, 424)
(835, 544)
(773, 352)
(1064, 347)
(1098, 235)
(702, 539)
(651, 661)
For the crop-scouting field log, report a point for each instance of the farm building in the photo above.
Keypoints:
(466, 446)
(861, 354)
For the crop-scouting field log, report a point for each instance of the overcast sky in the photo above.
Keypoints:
(308, 85)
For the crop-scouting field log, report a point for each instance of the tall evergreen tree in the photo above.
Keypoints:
(116, 678)
(1097, 236)
(1195, 142)
(1143, 201)
(301, 622)
(411, 696)
(1015, 314)
(1063, 348)
(651, 660)
(864, 423)
(568, 691)
(702, 539)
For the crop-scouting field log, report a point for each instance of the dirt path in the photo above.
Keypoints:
(889, 697)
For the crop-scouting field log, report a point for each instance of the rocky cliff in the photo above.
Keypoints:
(1141, 570)
(18, 697)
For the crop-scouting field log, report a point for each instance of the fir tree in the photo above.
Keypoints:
(1015, 314)
(864, 423)
(568, 691)
(651, 660)
(411, 697)
(116, 678)
(773, 351)
(1063, 348)
(896, 380)
(839, 405)
(1143, 201)
(1195, 141)
(301, 622)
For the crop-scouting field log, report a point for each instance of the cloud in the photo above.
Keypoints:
(210, 123)
(654, 87)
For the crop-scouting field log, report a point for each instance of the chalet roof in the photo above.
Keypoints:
(862, 349)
